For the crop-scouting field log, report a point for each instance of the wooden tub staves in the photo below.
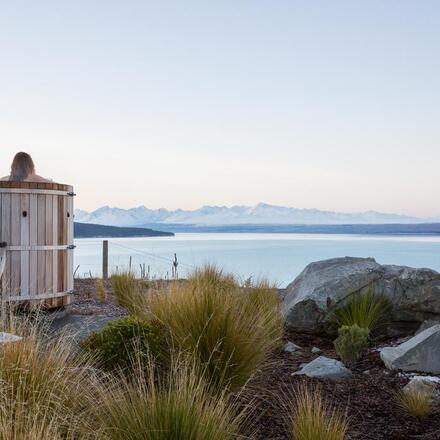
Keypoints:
(36, 231)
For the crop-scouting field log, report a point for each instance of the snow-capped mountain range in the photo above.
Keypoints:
(261, 214)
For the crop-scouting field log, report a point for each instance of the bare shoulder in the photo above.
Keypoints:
(38, 179)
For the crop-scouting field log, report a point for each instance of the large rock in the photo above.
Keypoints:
(324, 285)
(420, 353)
(325, 368)
(427, 324)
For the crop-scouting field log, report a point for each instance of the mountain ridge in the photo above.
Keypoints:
(260, 214)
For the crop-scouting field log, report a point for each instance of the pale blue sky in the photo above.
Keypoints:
(315, 104)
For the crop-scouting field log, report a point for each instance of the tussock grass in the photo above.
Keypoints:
(178, 407)
(128, 291)
(367, 310)
(415, 403)
(313, 419)
(42, 387)
(22, 424)
(229, 329)
(100, 290)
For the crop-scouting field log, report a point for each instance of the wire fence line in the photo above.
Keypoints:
(148, 259)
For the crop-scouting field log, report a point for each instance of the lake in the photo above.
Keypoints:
(278, 257)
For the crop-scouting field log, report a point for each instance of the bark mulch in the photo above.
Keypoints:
(368, 398)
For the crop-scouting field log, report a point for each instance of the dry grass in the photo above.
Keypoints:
(42, 387)
(100, 291)
(415, 403)
(129, 292)
(231, 330)
(313, 419)
(178, 407)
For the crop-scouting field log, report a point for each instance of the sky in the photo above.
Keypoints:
(178, 104)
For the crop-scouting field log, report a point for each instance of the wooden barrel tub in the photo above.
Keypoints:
(36, 233)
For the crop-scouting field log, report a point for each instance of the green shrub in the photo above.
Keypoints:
(313, 419)
(351, 342)
(176, 407)
(367, 310)
(115, 345)
(229, 330)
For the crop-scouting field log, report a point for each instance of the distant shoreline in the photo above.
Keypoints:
(86, 230)
(418, 229)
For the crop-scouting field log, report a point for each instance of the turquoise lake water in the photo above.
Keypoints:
(278, 257)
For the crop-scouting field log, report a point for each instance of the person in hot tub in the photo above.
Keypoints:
(23, 170)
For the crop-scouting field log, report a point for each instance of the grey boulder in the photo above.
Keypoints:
(325, 285)
(325, 368)
(427, 324)
(420, 353)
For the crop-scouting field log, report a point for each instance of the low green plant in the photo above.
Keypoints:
(114, 346)
(313, 419)
(178, 407)
(416, 403)
(367, 310)
(351, 342)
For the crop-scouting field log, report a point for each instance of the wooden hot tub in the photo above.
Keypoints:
(36, 232)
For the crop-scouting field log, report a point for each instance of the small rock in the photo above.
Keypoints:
(325, 368)
(316, 350)
(291, 347)
(420, 353)
(427, 384)
(9, 337)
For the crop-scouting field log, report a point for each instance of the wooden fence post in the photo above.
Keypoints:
(105, 259)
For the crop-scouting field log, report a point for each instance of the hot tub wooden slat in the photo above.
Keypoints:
(24, 241)
(41, 240)
(70, 255)
(33, 240)
(49, 242)
(55, 241)
(6, 236)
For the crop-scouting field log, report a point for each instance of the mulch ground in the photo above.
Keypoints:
(368, 398)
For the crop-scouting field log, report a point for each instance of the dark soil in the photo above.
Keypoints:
(368, 398)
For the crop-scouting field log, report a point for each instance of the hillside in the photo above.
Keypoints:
(89, 230)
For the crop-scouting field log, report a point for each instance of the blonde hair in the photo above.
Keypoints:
(22, 167)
